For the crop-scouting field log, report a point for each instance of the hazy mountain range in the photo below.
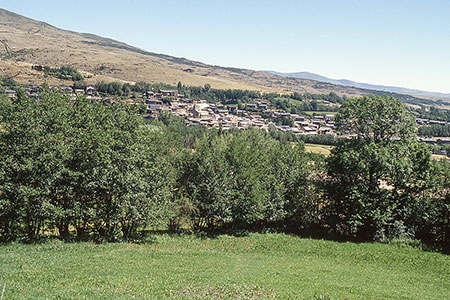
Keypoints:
(345, 82)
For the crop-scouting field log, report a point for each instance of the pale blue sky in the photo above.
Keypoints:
(392, 42)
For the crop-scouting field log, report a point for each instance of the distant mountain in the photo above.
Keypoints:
(345, 82)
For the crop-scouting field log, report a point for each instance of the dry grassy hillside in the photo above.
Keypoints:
(34, 42)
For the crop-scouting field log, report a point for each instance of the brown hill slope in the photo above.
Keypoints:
(34, 42)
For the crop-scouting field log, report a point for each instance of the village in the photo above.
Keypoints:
(259, 114)
(201, 113)
(226, 116)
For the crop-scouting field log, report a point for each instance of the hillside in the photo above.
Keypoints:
(33, 42)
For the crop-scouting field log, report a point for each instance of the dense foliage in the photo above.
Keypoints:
(331, 97)
(98, 170)
(114, 88)
(435, 130)
(65, 72)
(381, 183)
(321, 139)
(194, 92)
(434, 113)
(246, 179)
(7, 82)
(80, 164)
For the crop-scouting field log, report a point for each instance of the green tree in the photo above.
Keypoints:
(433, 219)
(7, 82)
(25, 169)
(246, 179)
(377, 176)
(86, 164)
(375, 118)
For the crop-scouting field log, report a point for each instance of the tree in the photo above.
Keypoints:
(375, 177)
(434, 130)
(375, 118)
(433, 219)
(30, 147)
(245, 179)
(7, 82)
(90, 165)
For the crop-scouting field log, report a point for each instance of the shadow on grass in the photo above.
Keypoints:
(148, 236)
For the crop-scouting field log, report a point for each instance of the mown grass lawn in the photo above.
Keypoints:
(258, 266)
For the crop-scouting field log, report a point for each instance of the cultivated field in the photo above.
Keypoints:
(258, 266)
(318, 148)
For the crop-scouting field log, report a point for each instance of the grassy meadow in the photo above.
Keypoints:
(318, 148)
(258, 266)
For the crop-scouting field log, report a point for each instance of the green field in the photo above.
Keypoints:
(318, 148)
(258, 266)
(320, 113)
(326, 150)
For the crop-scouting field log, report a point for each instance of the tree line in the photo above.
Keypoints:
(7, 82)
(213, 95)
(434, 113)
(435, 130)
(86, 169)
(64, 72)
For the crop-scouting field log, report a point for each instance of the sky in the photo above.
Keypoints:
(403, 43)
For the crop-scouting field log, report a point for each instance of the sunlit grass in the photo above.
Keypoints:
(318, 148)
(439, 157)
(259, 266)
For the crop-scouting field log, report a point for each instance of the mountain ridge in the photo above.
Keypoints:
(347, 82)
